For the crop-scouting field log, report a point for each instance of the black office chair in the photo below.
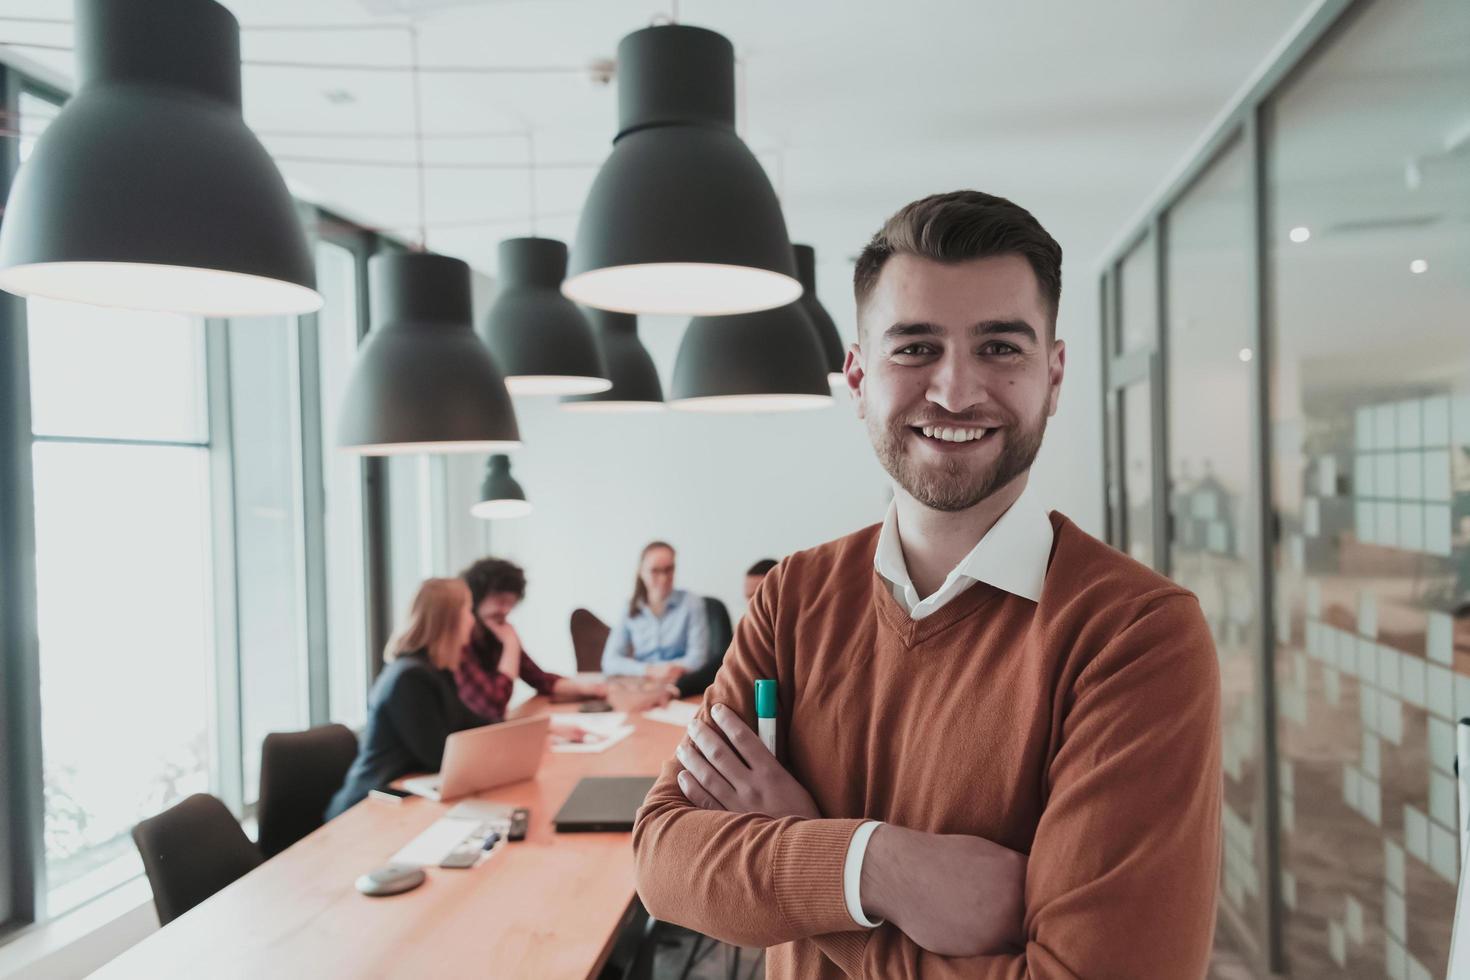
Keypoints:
(190, 851)
(720, 630)
(720, 635)
(299, 772)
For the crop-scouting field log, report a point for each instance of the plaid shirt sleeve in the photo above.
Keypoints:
(542, 680)
(485, 692)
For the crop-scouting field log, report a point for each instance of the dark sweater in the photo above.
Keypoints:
(412, 709)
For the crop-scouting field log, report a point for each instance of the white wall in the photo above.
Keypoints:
(724, 490)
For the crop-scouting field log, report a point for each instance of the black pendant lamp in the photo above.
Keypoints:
(767, 361)
(833, 352)
(681, 218)
(635, 384)
(538, 336)
(423, 382)
(500, 494)
(148, 191)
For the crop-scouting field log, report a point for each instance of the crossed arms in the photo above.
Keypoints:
(1121, 874)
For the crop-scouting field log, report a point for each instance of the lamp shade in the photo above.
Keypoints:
(681, 219)
(538, 336)
(635, 384)
(832, 350)
(148, 191)
(767, 361)
(500, 494)
(423, 382)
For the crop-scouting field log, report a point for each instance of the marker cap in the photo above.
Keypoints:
(765, 699)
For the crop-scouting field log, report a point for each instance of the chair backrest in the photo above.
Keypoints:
(299, 772)
(190, 851)
(720, 630)
(589, 636)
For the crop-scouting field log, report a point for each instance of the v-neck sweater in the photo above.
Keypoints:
(1081, 730)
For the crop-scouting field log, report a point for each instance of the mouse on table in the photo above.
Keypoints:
(391, 879)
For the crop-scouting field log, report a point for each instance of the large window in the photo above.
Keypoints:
(338, 331)
(270, 577)
(123, 581)
(201, 573)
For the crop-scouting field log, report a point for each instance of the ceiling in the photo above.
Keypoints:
(1078, 111)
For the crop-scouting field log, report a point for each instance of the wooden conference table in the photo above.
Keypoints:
(548, 906)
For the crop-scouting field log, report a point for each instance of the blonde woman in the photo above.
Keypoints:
(414, 706)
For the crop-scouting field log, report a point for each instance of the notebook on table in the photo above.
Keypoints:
(603, 804)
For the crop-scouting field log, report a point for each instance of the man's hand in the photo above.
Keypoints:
(741, 776)
(953, 894)
(510, 647)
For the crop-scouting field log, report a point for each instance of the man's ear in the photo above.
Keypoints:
(1056, 367)
(852, 372)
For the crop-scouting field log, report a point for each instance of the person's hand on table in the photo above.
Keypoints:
(587, 688)
(740, 776)
(664, 673)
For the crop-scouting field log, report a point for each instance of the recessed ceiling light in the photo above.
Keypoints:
(1246, 354)
(1300, 234)
(1419, 266)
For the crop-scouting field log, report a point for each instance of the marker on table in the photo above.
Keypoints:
(765, 712)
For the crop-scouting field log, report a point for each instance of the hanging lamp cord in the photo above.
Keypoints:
(418, 136)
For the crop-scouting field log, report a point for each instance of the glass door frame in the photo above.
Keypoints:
(1241, 119)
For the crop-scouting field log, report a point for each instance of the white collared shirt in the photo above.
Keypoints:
(1012, 556)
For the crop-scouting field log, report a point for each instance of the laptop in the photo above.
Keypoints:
(481, 758)
(603, 803)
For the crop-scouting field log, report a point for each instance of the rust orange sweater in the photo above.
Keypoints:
(1082, 730)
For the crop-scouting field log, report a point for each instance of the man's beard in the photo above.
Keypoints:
(952, 484)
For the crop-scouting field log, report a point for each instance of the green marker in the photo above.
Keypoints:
(765, 712)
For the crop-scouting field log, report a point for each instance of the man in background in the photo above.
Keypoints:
(495, 658)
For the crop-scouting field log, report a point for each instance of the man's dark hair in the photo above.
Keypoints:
(959, 226)
(761, 567)
(489, 575)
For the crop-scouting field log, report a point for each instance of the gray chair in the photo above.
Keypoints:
(190, 851)
(299, 773)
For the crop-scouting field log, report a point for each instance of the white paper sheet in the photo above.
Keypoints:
(600, 722)
(599, 742)
(679, 713)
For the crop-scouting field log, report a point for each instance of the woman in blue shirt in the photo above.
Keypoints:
(665, 633)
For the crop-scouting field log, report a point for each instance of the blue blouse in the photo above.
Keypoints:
(680, 636)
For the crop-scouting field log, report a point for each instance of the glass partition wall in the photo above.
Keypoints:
(1288, 435)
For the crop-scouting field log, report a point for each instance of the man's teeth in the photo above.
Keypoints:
(947, 434)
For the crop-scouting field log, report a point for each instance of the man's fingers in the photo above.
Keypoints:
(745, 741)
(718, 752)
(695, 793)
(692, 759)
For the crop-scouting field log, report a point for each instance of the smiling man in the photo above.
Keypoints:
(998, 737)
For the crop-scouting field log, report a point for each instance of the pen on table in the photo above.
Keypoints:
(765, 712)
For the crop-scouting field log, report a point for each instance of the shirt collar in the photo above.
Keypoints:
(1012, 556)
(676, 599)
